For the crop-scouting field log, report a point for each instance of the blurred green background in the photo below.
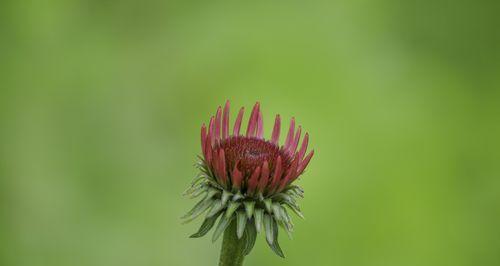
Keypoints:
(101, 103)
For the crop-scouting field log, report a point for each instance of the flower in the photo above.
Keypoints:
(248, 178)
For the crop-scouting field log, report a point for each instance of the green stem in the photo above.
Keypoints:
(231, 253)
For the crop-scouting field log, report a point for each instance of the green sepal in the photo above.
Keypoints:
(221, 227)
(258, 216)
(277, 213)
(197, 193)
(233, 206)
(250, 236)
(268, 226)
(294, 193)
(275, 245)
(192, 189)
(206, 226)
(241, 222)
(287, 218)
(216, 207)
(295, 209)
(198, 178)
(249, 208)
(237, 196)
(212, 192)
(225, 196)
(287, 228)
(282, 197)
(214, 184)
(198, 209)
(268, 203)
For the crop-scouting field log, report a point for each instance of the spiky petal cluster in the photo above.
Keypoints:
(248, 178)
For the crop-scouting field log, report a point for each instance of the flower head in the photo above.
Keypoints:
(248, 178)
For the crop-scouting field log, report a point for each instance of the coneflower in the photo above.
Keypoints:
(247, 182)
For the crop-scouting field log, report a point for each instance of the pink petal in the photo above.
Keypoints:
(277, 174)
(252, 122)
(203, 139)
(217, 123)
(222, 162)
(237, 124)
(236, 177)
(260, 126)
(253, 181)
(225, 121)
(276, 130)
(264, 177)
(289, 137)
(211, 130)
(303, 149)
(295, 142)
(208, 149)
(291, 173)
(215, 165)
(305, 162)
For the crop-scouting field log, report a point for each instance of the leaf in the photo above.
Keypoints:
(275, 245)
(216, 207)
(241, 221)
(268, 226)
(249, 208)
(206, 226)
(250, 236)
(259, 216)
(221, 227)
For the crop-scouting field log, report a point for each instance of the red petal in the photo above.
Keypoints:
(276, 130)
(217, 123)
(277, 174)
(225, 121)
(295, 142)
(252, 122)
(222, 165)
(291, 174)
(237, 124)
(203, 139)
(236, 177)
(215, 165)
(303, 149)
(289, 137)
(208, 149)
(211, 130)
(253, 181)
(264, 177)
(305, 162)
(260, 126)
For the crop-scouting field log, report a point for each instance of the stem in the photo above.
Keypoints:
(231, 253)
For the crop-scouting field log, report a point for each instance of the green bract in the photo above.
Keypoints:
(252, 213)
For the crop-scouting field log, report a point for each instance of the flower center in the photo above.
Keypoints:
(251, 153)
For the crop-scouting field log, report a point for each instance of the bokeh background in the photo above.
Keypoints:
(101, 103)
